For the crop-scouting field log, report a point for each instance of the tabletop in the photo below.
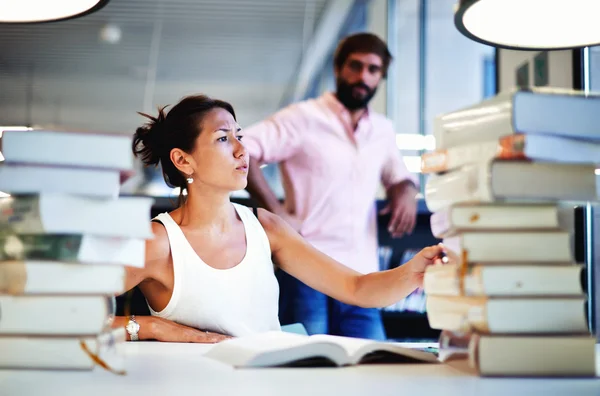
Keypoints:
(155, 368)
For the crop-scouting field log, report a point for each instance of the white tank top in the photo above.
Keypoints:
(237, 301)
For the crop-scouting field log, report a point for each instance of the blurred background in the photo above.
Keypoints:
(95, 72)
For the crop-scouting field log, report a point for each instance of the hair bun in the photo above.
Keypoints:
(148, 140)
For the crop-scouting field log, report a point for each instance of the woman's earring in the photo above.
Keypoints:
(190, 180)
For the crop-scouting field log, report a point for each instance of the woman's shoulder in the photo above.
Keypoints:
(158, 247)
(277, 229)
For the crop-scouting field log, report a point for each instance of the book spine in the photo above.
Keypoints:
(60, 278)
(442, 280)
(441, 222)
(13, 277)
(40, 247)
(21, 215)
(484, 121)
(506, 281)
(552, 315)
(64, 352)
(37, 315)
(468, 184)
(457, 313)
(510, 147)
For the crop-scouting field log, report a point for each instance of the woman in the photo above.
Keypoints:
(209, 265)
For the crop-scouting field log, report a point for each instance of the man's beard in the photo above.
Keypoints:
(346, 96)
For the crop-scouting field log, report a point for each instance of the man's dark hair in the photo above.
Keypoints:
(367, 43)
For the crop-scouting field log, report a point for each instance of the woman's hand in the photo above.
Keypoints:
(168, 331)
(428, 256)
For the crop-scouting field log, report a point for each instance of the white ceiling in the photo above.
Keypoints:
(242, 51)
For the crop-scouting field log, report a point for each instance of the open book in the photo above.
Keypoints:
(279, 349)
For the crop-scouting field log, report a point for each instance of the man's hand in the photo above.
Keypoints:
(169, 331)
(402, 205)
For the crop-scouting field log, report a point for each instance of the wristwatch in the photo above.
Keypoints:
(133, 328)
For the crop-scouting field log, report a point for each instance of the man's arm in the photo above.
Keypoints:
(402, 206)
(401, 190)
(273, 140)
(260, 190)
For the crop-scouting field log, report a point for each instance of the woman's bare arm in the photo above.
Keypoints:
(319, 271)
(159, 329)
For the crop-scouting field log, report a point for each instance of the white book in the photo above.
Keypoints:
(458, 218)
(514, 315)
(54, 315)
(68, 214)
(34, 179)
(511, 181)
(505, 247)
(60, 352)
(556, 356)
(53, 277)
(67, 148)
(82, 249)
(520, 356)
(504, 280)
(513, 147)
(272, 349)
(543, 111)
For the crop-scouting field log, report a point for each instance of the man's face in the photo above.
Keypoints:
(357, 80)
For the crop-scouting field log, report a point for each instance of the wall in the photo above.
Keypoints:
(98, 103)
(454, 65)
(560, 67)
(377, 24)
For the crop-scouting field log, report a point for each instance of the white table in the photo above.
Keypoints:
(179, 369)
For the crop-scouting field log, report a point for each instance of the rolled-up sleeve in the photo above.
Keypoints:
(278, 137)
(394, 168)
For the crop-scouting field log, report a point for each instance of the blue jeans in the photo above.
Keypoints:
(320, 314)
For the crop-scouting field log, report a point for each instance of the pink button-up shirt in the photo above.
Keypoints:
(331, 173)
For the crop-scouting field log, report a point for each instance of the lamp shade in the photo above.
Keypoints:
(530, 24)
(35, 11)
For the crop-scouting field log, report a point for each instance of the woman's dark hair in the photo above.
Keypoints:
(367, 43)
(178, 128)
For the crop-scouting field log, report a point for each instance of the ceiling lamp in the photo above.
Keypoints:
(530, 24)
(35, 11)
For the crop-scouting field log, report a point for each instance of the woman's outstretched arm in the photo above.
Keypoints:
(319, 271)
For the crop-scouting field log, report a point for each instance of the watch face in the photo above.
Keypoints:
(132, 327)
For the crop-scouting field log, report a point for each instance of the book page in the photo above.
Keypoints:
(241, 351)
(350, 345)
(275, 349)
(262, 342)
(369, 351)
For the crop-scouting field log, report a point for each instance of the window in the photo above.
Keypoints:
(436, 70)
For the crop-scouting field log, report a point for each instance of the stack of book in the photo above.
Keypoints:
(65, 239)
(501, 180)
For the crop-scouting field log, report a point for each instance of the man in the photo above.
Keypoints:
(333, 153)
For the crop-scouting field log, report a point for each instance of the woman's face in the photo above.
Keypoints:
(219, 157)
